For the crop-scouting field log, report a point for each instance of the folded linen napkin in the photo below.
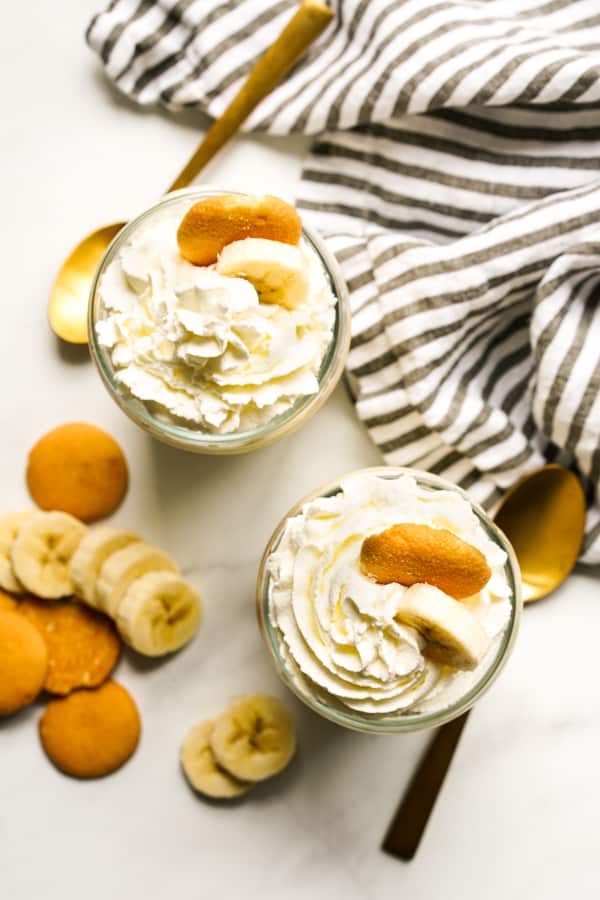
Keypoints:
(456, 175)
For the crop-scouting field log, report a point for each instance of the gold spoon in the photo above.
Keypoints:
(68, 303)
(543, 516)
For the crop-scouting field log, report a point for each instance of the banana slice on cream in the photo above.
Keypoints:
(453, 635)
(278, 271)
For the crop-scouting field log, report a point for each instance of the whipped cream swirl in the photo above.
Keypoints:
(199, 347)
(339, 635)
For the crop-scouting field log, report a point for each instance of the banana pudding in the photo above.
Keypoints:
(389, 599)
(217, 316)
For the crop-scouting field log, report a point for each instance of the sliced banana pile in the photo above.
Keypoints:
(53, 555)
(252, 741)
(139, 586)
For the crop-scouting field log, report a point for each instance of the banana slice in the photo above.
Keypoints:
(453, 634)
(201, 768)
(9, 528)
(254, 739)
(159, 613)
(124, 567)
(277, 270)
(95, 548)
(42, 551)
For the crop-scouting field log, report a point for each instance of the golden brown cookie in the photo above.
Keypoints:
(83, 645)
(23, 662)
(91, 733)
(217, 221)
(78, 469)
(411, 553)
(7, 603)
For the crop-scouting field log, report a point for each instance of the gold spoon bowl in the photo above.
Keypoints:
(543, 516)
(67, 309)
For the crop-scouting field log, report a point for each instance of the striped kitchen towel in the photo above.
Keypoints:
(456, 174)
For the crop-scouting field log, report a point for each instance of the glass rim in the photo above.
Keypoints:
(391, 723)
(197, 440)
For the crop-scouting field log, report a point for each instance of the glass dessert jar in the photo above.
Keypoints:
(333, 632)
(139, 403)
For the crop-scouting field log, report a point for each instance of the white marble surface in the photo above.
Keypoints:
(518, 816)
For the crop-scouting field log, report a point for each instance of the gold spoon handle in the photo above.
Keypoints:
(407, 827)
(297, 36)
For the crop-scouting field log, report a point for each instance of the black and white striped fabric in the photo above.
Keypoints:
(456, 175)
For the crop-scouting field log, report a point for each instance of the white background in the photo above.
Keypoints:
(519, 814)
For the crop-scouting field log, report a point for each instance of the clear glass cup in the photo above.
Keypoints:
(391, 723)
(195, 439)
